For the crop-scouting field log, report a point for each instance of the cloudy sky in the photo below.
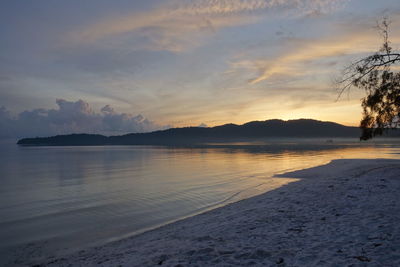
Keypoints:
(120, 66)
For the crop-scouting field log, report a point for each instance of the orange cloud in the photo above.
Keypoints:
(176, 25)
(296, 61)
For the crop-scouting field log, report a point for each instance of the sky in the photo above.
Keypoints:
(122, 66)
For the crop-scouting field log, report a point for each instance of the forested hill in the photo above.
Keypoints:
(303, 128)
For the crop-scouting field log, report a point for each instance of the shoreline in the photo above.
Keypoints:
(341, 213)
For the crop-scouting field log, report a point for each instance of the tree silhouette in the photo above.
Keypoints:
(376, 75)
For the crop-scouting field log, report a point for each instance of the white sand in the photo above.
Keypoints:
(346, 213)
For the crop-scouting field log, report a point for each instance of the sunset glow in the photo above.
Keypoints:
(186, 63)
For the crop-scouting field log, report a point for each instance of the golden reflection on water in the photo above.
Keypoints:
(78, 196)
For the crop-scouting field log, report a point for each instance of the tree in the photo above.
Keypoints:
(375, 74)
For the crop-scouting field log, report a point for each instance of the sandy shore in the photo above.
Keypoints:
(346, 213)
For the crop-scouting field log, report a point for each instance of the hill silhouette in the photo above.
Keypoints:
(302, 128)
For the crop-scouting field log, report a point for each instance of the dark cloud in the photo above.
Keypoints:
(71, 117)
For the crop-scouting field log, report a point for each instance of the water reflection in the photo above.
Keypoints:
(62, 197)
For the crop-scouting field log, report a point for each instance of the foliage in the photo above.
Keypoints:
(377, 76)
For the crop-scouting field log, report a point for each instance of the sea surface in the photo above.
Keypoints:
(54, 200)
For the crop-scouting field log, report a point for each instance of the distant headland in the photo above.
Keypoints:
(254, 130)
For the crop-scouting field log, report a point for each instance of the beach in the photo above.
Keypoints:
(345, 213)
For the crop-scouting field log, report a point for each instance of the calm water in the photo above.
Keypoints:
(57, 198)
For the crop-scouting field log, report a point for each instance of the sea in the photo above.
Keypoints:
(55, 200)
